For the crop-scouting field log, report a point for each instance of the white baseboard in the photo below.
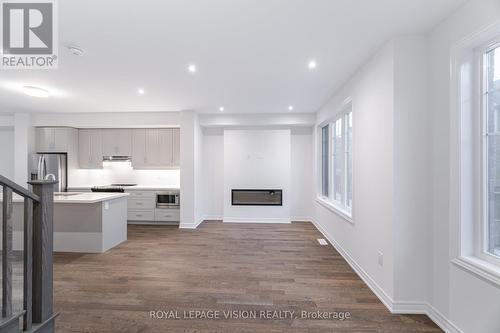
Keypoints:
(395, 307)
(192, 225)
(301, 219)
(213, 218)
(256, 220)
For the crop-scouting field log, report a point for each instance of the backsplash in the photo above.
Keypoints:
(122, 172)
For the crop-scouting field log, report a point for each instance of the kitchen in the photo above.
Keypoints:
(106, 165)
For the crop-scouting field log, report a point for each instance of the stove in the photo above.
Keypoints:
(123, 185)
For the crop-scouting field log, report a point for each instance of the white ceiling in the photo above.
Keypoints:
(251, 55)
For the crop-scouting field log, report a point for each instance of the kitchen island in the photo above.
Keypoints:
(83, 222)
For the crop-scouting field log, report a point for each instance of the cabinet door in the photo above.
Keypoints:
(138, 148)
(45, 139)
(116, 142)
(165, 145)
(84, 150)
(176, 147)
(152, 148)
(96, 148)
(61, 139)
(90, 149)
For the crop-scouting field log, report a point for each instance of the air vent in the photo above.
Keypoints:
(322, 242)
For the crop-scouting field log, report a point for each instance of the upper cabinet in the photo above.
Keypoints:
(55, 139)
(117, 142)
(90, 148)
(151, 148)
(155, 148)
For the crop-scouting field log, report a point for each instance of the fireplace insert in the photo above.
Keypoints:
(256, 197)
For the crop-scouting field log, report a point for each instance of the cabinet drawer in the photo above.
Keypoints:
(140, 216)
(138, 203)
(141, 195)
(167, 215)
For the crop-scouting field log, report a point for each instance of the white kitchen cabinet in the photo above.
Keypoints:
(176, 147)
(90, 148)
(116, 142)
(139, 148)
(54, 139)
(155, 148)
(165, 147)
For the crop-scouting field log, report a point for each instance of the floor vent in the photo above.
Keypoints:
(322, 242)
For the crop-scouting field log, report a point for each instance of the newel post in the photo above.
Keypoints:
(43, 234)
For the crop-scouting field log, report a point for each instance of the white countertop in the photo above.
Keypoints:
(130, 188)
(75, 197)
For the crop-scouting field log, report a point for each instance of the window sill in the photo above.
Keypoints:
(479, 267)
(335, 209)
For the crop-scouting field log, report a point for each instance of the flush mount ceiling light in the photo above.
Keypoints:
(75, 50)
(312, 64)
(141, 91)
(221, 109)
(35, 91)
(192, 68)
(290, 108)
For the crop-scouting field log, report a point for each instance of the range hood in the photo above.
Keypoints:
(116, 158)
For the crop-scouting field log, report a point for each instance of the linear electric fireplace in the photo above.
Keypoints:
(244, 197)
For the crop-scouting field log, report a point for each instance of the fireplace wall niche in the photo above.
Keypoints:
(257, 197)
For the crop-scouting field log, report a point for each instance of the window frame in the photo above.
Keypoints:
(481, 231)
(342, 208)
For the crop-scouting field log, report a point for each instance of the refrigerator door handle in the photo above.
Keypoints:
(39, 167)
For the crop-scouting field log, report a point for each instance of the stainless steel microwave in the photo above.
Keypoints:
(168, 199)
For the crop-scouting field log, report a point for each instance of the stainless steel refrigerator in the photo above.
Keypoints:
(53, 166)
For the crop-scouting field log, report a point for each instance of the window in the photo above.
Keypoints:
(490, 229)
(325, 155)
(336, 162)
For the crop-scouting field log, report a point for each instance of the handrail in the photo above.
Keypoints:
(18, 189)
(37, 256)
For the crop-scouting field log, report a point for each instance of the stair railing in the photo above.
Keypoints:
(37, 256)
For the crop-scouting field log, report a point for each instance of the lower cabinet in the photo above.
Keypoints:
(142, 209)
(167, 215)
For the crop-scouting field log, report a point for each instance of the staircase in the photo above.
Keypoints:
(37, 281)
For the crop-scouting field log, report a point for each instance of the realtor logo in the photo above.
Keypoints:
(29, 36)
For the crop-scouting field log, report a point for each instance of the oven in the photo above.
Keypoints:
(167, 199)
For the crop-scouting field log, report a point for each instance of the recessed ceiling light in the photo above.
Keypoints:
(312, 64)
(192, 68)
(221, 109)
(35, 91)
(290, 108)
(141, 91)
(75, 50)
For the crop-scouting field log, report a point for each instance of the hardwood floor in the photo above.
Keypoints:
(241, 267)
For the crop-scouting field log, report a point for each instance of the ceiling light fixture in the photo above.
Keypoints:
(290, 108)
(35, 91)
(312, 64)
(75, 50)
(141, 91)
(221, 109)
(192, 68)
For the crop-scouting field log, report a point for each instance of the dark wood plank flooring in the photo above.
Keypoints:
(218, 267)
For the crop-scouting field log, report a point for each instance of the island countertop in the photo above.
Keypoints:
(78, 197)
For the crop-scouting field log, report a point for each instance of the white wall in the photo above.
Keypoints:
(371, 91)
(469, 302)
(7, 152)
(23, 146)
(301, 182)
(257, 159)
(107, 119)
(213, 173)
(412, 241)
(122, 172)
